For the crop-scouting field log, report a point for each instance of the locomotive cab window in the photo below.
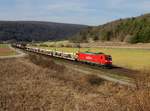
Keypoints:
(109, 58)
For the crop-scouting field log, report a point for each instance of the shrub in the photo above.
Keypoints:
(46, 63)
(94, 80)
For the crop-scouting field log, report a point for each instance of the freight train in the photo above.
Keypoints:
(99, 59)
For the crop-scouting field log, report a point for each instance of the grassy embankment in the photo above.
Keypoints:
(129, 58)
(39, 84)
(5, 50)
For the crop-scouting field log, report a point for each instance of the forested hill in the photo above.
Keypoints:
(133, 30)
(36, 31)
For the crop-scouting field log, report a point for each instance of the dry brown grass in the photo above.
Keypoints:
(39, 84)
(46, 63)
(6, 52)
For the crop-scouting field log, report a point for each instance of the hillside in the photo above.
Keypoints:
(132, 30)
(36, 31)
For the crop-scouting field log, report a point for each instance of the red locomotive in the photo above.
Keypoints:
(94, 58)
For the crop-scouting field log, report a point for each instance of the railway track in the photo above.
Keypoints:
(116, 74)
(101, 74)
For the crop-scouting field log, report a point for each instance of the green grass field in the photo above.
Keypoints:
(3, 45)
(129, 58)
(6, 51)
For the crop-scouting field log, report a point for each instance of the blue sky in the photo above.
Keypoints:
(90, 12)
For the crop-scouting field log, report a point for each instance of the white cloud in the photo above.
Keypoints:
(72, 6)
(74, 11)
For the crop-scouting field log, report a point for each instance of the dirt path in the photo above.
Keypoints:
(19, 54)
(117, 45)
(104, 75)
(125, 47)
